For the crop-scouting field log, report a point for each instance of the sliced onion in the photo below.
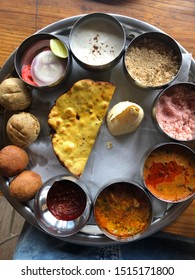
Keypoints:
(46, 68)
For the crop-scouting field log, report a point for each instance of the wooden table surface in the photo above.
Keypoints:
(176, 17)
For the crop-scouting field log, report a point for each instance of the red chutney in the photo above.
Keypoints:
(66, 200)
(169, 173)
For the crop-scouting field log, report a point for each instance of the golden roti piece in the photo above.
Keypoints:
(76, 119)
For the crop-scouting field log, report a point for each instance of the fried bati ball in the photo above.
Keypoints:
(24, 186)
(13, 160)
(14, 94)
(23, 129)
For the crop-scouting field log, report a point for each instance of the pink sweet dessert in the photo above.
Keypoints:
(175, 112)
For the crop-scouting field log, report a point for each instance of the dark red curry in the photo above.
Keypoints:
(66, 200)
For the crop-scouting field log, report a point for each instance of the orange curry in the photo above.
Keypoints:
(169, 173)
(123, 210)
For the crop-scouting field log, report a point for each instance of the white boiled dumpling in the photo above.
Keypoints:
(124, 117)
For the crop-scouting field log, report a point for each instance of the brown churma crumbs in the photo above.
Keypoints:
(151, 63)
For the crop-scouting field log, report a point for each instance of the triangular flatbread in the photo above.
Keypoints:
(76, 119)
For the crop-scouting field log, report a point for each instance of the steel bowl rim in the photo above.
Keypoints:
(146, 193)
(30, 41)
(153, 111)
(139, 37)
(109, 64)
(148, 153)
(39, 208)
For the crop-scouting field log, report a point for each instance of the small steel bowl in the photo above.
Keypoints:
(123, 210)
(168, 172)
(33, 46)
(56, 211)
(97, 41)
(152, 60)
(173, 112)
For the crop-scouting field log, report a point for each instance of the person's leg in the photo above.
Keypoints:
(34, 244)
(160, 246)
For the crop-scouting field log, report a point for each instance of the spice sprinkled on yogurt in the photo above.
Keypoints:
(175, 112)
(97, 41)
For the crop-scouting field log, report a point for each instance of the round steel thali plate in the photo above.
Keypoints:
(126, 152)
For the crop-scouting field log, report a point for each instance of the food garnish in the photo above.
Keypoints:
(46, 68)
(58, 48)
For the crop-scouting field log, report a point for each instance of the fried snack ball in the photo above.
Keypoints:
(13, 160)
(23, 129)
(14, 94)
(24, 186)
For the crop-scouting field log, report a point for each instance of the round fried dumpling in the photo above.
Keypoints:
(14, 94)
(13, 160)
(23, 129)
(25, 186)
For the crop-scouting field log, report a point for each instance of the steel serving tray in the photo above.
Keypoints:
(44, 162)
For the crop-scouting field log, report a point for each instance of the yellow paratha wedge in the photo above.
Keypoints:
(76, 118)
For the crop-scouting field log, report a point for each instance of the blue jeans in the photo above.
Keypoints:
(33, 244)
